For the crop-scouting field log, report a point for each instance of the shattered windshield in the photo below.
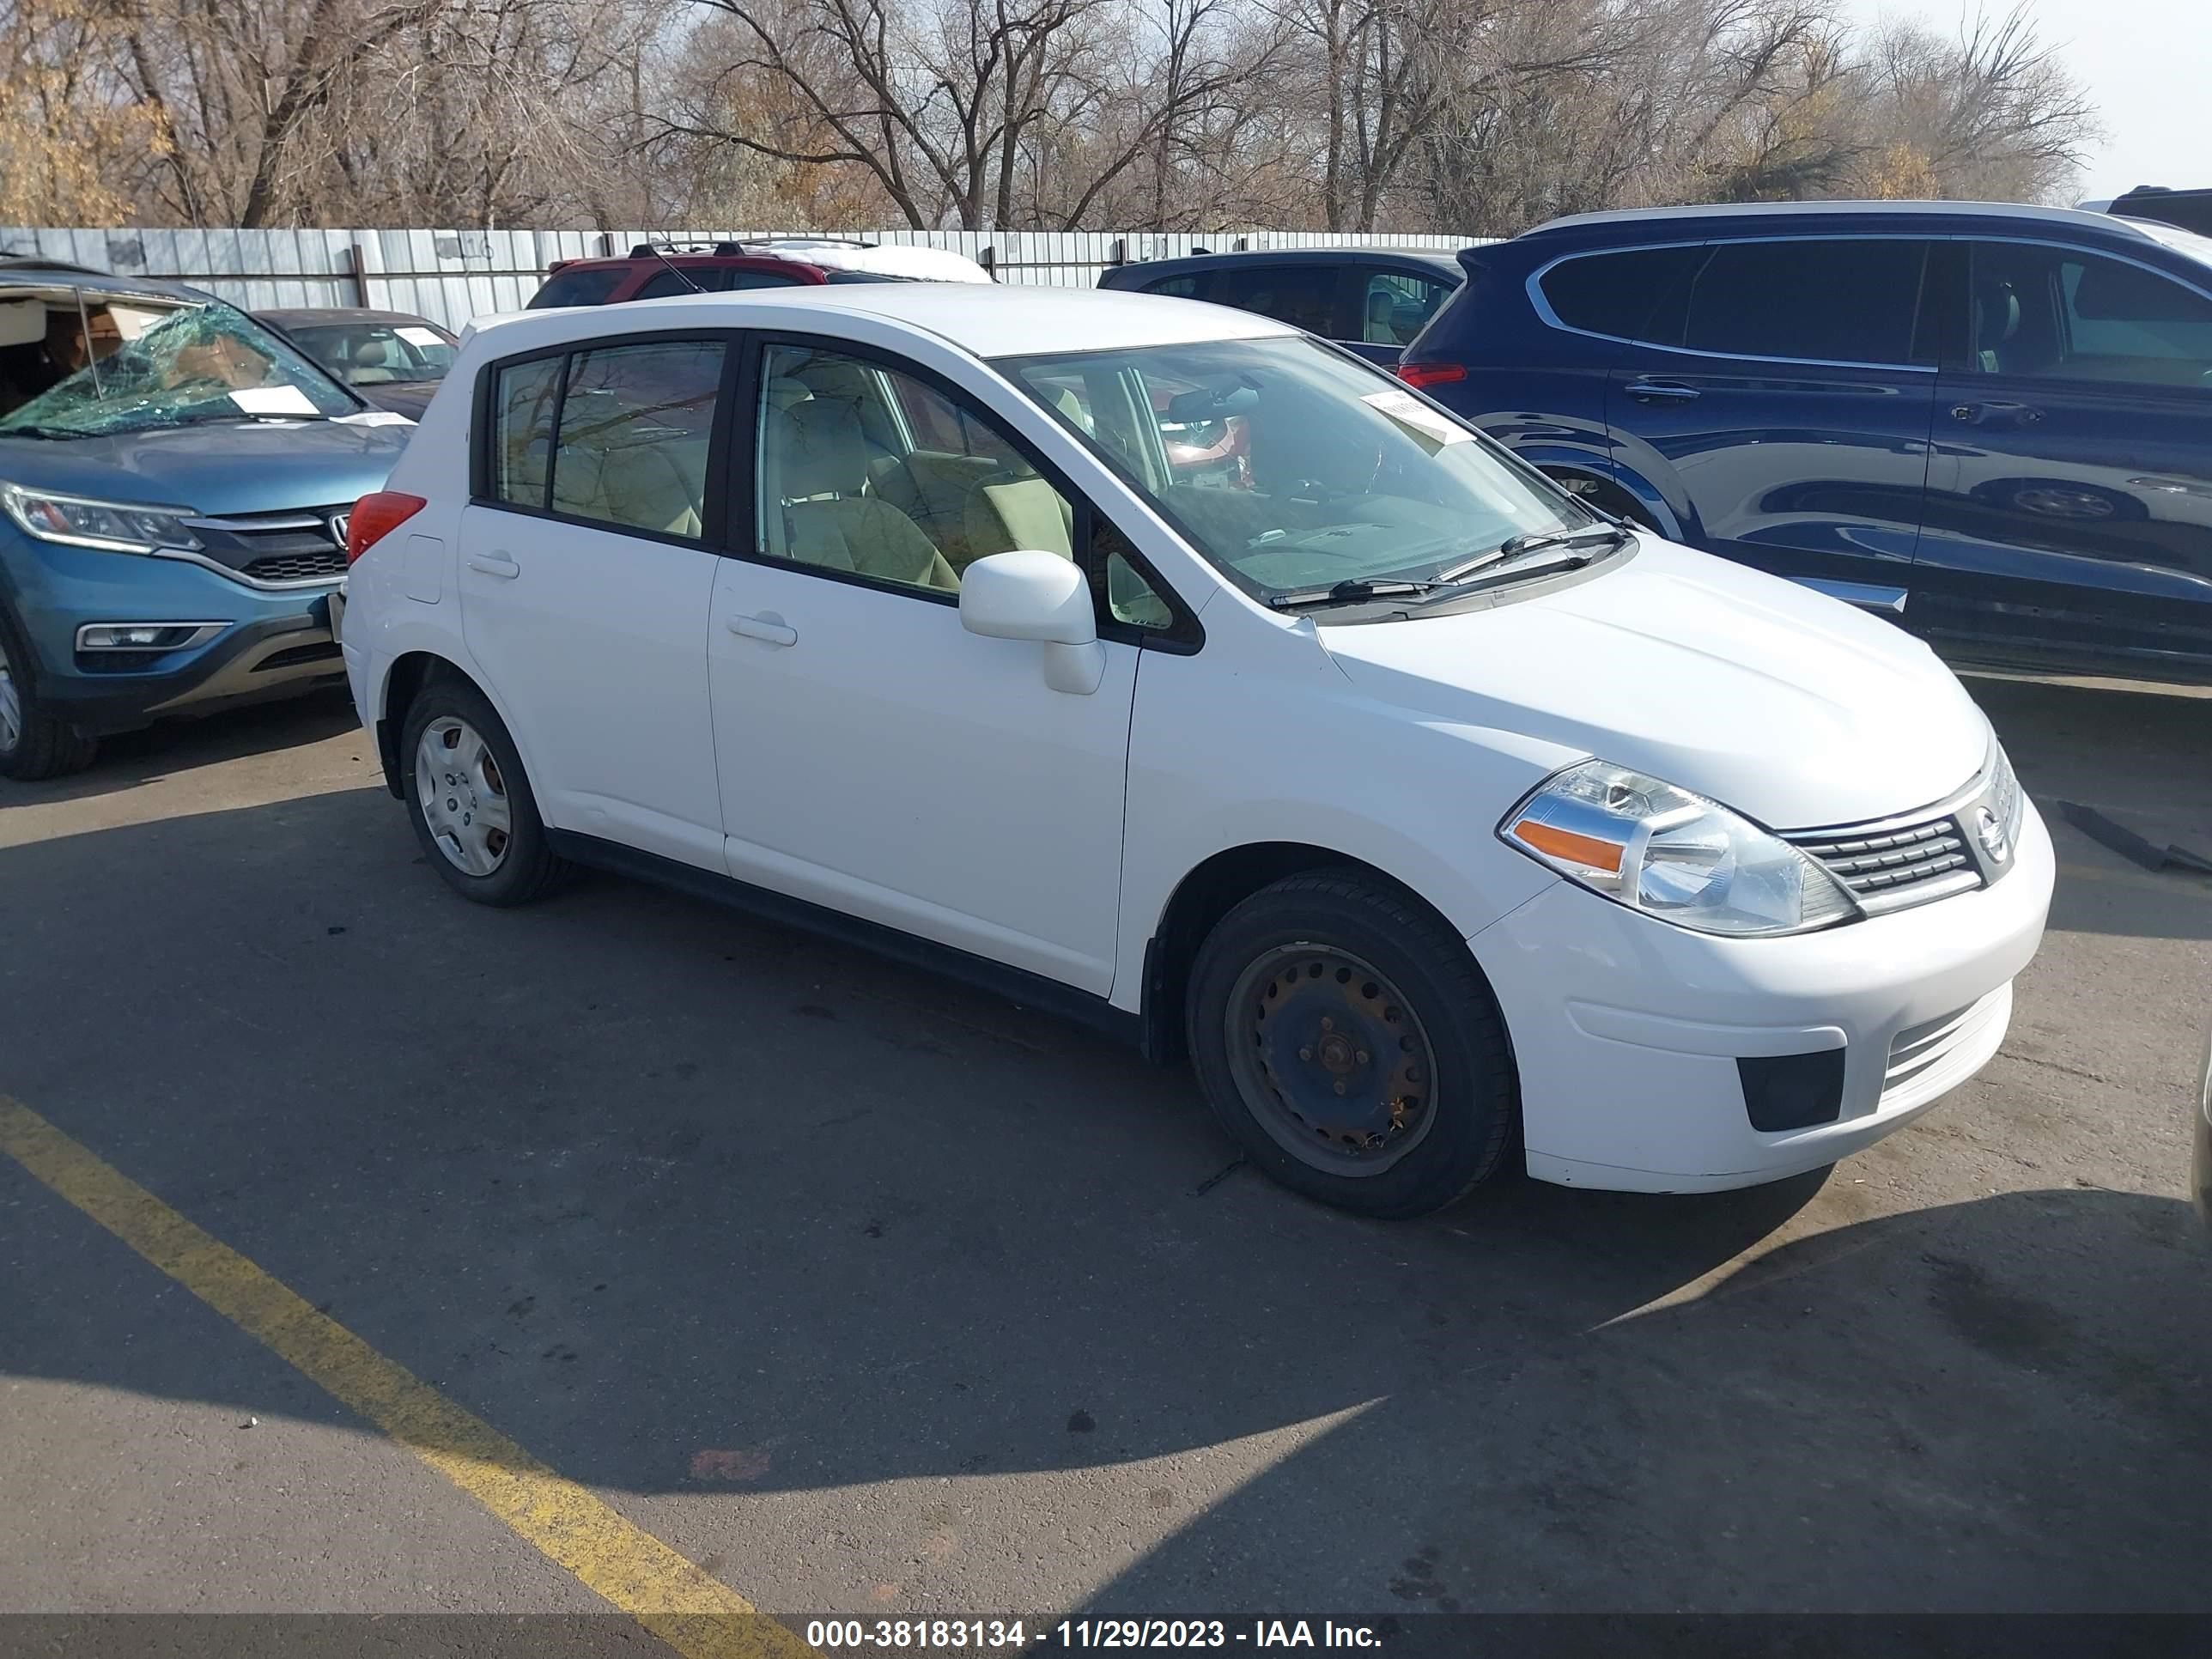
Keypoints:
(128, 364)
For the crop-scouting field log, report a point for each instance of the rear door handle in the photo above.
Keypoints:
(1988, 413)
(1661, 392)
(495, 564)
(767, 626)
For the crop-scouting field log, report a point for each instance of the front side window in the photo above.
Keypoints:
(115, 363)
(1178, 288)
(1397, 305)
(865, 470)
(378, 353)
(2053, 312)
(1304, 296)
(1838, 300)
(1293, 469)
(615, 434)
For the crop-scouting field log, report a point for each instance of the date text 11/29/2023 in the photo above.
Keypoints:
(956, 1634)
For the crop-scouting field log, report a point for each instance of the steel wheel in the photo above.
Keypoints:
(11, 706)
(463, 798)
(1331, 1059)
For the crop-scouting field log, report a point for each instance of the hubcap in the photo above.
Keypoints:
(1331, 1059)
(11, 706)
(462, 796)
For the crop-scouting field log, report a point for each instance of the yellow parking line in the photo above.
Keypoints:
(687, 1607)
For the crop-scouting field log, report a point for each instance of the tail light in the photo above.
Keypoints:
(374, 517)
(1427, 374)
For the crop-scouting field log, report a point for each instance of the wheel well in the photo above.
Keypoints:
(1604, 495)
(409, 676)
(1209, 892)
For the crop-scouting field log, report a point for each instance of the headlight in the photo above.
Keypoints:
(1673, 855)
(110, 526)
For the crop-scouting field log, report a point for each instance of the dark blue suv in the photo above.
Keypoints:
(1993, 423)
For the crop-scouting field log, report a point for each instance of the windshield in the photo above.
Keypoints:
(377, 354)
(175, 365)
(1292, 468)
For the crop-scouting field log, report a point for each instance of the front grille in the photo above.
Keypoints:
(301, 545)
(1900, 864)
(299, 567)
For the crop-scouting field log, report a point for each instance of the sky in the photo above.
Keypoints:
(2148, 64)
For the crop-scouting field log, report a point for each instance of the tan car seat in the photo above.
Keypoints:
(644, 486)
(816, 466)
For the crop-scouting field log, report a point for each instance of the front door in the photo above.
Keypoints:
(1781, 388)
(2069, 501)
(874, 755)
(586, 580)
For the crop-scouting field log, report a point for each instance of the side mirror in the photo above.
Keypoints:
(1040, 596)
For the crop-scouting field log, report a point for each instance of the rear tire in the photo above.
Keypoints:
(470, 801)
(35, 744)
(1345, 1037)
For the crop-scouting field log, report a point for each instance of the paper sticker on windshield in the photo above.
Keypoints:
(1417, 417)
(422, 337)
(274, 400)
(371, 417)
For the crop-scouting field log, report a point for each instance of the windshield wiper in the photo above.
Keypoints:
(1348, 593)
(35, 431)
(1594, 537)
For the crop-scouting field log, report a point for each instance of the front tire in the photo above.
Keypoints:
(35, 744)
(470, 801)
(1345, 1037)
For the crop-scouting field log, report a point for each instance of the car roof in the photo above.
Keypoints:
(32, 271)
(986, 320)
(1444, 260)
(309, 316)
(1755, 212)
(698, 259)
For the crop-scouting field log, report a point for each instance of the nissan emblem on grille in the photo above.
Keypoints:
(1992, 834)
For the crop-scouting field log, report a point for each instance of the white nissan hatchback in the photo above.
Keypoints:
(1159, 664)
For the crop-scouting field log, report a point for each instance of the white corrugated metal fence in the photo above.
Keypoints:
(451, 276)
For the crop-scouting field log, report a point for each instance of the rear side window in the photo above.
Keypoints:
(1304, 296)
(1843, 300)
(1178, 287)
(616, 435)
(1632, 294)
(523, 405)
(1395, 305)
(590, 286)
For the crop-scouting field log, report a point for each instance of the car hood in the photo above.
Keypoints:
(260, 467)
(1794, 708)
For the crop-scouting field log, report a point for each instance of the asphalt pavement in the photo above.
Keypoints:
(869, 1294)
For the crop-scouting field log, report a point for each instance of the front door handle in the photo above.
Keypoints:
(1996, 414)
(495, 564)
(767, 626)
(1661, 392)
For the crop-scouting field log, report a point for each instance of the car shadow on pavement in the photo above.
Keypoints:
(698, 1209)
(132, 758)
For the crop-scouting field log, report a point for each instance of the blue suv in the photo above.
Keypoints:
(1992, 423)
(175, 481)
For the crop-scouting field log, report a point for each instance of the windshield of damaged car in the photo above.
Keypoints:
(1295, 469)
(88, 363)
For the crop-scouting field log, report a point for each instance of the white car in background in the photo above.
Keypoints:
(1429, 813)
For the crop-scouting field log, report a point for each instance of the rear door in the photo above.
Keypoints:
(1784, 390)
(586, 579)
(2069, 505)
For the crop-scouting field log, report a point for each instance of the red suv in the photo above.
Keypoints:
(647, 272)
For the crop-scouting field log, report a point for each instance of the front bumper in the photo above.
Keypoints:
(1628, 1032)
(271, 643)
